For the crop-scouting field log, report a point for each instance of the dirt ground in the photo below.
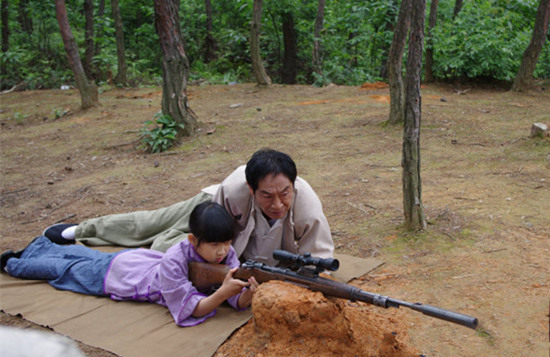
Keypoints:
(486, 190)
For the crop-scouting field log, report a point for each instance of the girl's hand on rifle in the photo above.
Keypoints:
(230, 287)
(246, 297)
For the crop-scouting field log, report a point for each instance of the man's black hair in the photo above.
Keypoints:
(211, 223)
(267, 162)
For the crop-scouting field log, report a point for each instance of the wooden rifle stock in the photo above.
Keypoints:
(204, 276)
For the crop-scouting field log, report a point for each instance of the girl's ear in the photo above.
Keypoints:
(193, 240)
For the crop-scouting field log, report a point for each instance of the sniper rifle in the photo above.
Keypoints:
(303, 270)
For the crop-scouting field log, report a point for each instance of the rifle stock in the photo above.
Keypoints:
(204, 275)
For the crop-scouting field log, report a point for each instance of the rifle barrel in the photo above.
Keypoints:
(385, 301)
(451, 316)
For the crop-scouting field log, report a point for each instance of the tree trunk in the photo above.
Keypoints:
(99, 33)
(24, 20)
(89, 37)
(458, 6)
(428, 73)
(382, 47)
(5, 36)
(290, 45)
(255, 56)
(316, 58)
(120, 79)
(88, 91)
(5, 27)
(395, 60)
(175, 66)
(412, 183)
(524, 78)
(210, 43)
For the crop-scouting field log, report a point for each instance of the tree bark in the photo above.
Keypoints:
(97, 50)
(428, 73)
(255, 56)
(316, 57)
(290, 45)
(5, 27)
(458, 7)
(210, 42)
(24, 20)
(412, 183)
(382, 47)
(5, 34)
(524, 78)
(395, 60)
(175, 66)
(89, 37)
(120, 79)
(88, 91)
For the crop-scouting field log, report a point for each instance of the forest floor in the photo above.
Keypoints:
(485, 188)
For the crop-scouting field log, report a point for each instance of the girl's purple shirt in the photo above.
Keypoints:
(162, 278)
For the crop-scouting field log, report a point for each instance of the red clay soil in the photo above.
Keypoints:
(292, 321)
(374, 86)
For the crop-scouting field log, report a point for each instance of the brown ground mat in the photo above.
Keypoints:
(133, 328)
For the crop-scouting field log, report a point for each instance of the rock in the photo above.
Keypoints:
(31, 343)
(538, 130)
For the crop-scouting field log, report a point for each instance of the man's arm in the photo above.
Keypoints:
(311, 229)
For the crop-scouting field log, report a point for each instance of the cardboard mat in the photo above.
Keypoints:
(133, 329)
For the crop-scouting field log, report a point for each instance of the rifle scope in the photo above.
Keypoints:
(306, 259)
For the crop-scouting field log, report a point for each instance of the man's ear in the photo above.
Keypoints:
(251, 190)
(193, 240)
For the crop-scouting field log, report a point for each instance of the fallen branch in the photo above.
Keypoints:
(168, 153)
(14, 88)
(119, 145)
(507, 173)
(15, 191)
(466, 198)
(493, 250)
(65, 218)
(463, 276)
(359, 208)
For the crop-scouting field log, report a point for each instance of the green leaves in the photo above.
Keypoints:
(486, 40)
(159, 134)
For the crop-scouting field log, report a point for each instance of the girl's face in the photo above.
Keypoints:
(213, 253)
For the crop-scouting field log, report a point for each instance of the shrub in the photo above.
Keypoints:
(162, 135)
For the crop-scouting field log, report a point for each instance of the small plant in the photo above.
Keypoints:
(481, 332)
(59, 112)
(162, 135)
(19, 117)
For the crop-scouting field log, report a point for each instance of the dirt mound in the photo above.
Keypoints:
(292, 321)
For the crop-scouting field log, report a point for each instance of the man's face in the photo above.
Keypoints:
(274, 195)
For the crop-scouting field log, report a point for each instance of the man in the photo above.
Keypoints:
(273, 209)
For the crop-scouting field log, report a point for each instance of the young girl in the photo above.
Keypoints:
(144, 274)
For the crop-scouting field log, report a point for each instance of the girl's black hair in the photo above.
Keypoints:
(211, 223)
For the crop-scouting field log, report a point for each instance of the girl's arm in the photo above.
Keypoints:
(229, 288)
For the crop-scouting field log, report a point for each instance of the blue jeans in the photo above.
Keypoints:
(66, 267)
